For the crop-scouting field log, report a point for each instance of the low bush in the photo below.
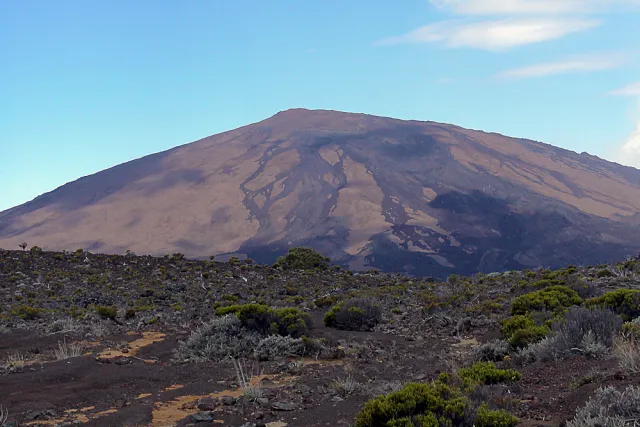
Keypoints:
(582, 325)
(492, 351)
(25, 312)
(276, 347)
(521, 330)
(604, 273)
(627, 354)
(217, 340)
(358, 314)
(631, 330)
(107, 312)
(511, 324)
(486, 417)
(625, 302)
(434, 404)
(486, 373)
(554, 298)
(529, 335)
(302, 259)
(541, 351)
(266, 320)
(609, 408)
(589, 332)
(291, 322)
(431, 404)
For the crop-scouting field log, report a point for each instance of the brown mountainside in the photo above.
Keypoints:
(421, 197)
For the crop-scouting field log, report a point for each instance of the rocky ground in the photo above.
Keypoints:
(66, 359)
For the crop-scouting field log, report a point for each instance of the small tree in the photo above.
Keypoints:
(23, 245)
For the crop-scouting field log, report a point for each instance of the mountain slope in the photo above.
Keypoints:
(421, 197)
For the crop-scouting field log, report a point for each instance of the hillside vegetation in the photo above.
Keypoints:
(248, 344)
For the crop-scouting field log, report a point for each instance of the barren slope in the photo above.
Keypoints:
(422, 197)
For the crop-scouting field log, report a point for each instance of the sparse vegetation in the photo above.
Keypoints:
(251, 390)
(345, 386)
(261, 316)
(67, 350)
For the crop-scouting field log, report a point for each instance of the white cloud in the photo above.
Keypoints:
(632, 89)
(573, 64)
(495, 34)
(532, 7)
(628, 153)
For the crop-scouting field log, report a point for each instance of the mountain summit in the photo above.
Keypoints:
(422, 197)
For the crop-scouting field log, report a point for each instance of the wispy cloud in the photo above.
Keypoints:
(573, 64)
(632, 89)
(531, 21)
(532, 7)
(495, 34)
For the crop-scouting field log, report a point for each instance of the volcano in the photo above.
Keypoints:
(423, 198)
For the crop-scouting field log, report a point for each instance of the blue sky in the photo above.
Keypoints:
(88, 84)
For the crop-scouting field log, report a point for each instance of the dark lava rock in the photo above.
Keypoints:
(280, 406)
(202, 417)
(228, 400)
(207, 404)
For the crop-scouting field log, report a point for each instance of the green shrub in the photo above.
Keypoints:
(25, 312)
(358, 314)
(265, 320)
(486, 373)
(511, 324)
(325, 301)
(545, 283)
(522, 330)
(292, 322)
(434, 404)
(488, 418)
(554, 298)
(529, 335)
(109, 312)
(604, 273)
(256, 317)
(302, 259)
(625, 302)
